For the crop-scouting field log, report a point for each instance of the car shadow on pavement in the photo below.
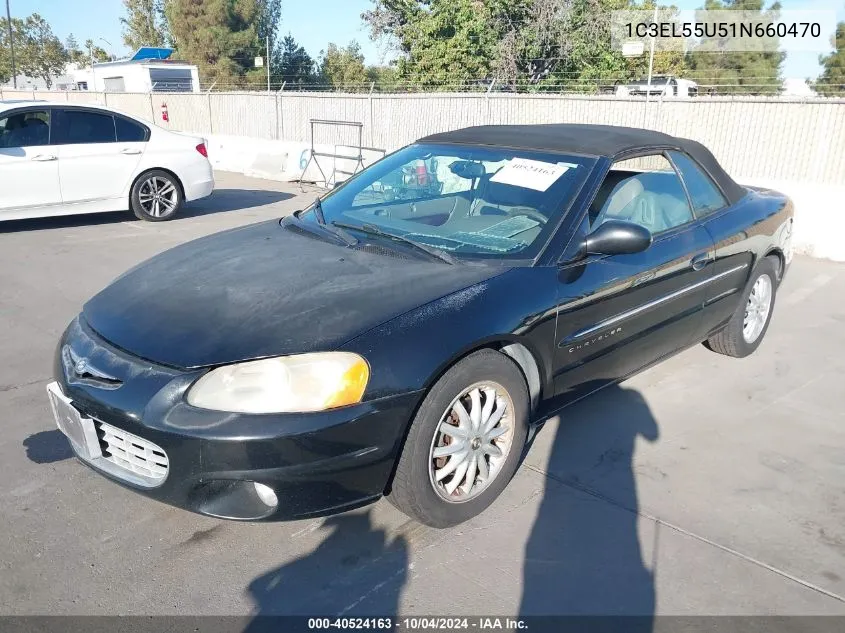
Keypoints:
(224, 200)
(583, 555)
(358, 569)
(221, 201)
(46, 447)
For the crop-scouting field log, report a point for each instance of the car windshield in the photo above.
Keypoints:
(466, 200)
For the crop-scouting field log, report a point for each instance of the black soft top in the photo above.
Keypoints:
(609, 141)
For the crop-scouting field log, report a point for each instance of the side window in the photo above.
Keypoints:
(129, 131)
(706, 198)
(645, 190)
(84, 126)
(29, 128)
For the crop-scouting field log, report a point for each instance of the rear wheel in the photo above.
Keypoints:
(749, 323)
(465, 442)
(156, 196)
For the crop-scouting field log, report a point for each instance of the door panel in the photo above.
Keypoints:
(29, 170)
(97, 171)
(30, 177)
(92, 164)
(617, 314)
(735, 243)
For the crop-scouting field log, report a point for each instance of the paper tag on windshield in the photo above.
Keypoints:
(531, 174)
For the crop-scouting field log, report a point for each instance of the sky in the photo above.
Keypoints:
(313, 23)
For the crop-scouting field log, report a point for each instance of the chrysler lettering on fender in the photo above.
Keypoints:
(595, 340)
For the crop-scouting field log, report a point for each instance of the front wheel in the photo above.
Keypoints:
(156, 196)
(749, 323)
(465, 442)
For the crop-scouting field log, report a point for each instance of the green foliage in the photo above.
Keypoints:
(383, 78)
(295, 66)
(95, 53)
(19, 39)
(38, 52)
(343, 67)
(741, 72)
(222, 37)
(832, 80)
(522, 44)
(444, 41)
(74, 53)
(144, 24)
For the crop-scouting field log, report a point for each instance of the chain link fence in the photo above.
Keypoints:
(753, 137)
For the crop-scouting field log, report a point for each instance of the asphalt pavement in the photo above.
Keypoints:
(706, 485)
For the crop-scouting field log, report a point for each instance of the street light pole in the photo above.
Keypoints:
(650, 68)
(11, 45)
(268, 63)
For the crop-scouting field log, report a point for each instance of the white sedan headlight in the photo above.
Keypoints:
(285, 384)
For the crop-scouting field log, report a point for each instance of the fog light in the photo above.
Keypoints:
(266, 494)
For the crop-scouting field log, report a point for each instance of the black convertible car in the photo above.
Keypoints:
(401, 335)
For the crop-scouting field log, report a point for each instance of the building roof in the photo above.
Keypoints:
(609, 141)
(152, 52)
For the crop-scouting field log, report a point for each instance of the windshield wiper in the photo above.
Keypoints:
(318, 211)
(347, 238)
(372, 229)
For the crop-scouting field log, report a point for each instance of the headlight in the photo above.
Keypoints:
(286, 384)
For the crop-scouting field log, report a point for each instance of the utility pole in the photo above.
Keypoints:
(11, 45)
(650, 68)
(268, 62)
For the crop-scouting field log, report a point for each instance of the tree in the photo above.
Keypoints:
(522, 44)
(144, 24)
(443, 41)
(343, 68)
(222, 37)
(75, 54)
(19, 38)
(43, 54)
(384, 78)
(832, 80)
(295, 67)
(749, 72)
(94, 53)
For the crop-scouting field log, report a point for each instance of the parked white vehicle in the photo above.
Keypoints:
(64, 159)
(661, 86)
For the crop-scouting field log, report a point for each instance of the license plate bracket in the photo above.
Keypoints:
(79, 429)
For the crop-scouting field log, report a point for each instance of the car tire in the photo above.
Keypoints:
(500, 385)
(144, 203)
(749, 323)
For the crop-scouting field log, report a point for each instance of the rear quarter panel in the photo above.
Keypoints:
(177, 153)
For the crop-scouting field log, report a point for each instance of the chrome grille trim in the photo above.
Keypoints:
(137, 460)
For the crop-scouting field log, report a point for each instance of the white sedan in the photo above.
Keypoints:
(64, 159)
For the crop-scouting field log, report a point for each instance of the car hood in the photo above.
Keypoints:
(264, 290)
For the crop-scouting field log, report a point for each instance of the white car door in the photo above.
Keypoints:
(29, 169)
(93, 165)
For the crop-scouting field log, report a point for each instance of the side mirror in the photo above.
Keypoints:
(617, 237)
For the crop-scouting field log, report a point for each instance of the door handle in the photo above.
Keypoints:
(700, 261)
(41, 158)
(130, 151)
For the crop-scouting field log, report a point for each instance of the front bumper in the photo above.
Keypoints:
(315, 463)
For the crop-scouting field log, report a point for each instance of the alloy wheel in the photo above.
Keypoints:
(472, 442)
(158, 196)
(757, 309)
